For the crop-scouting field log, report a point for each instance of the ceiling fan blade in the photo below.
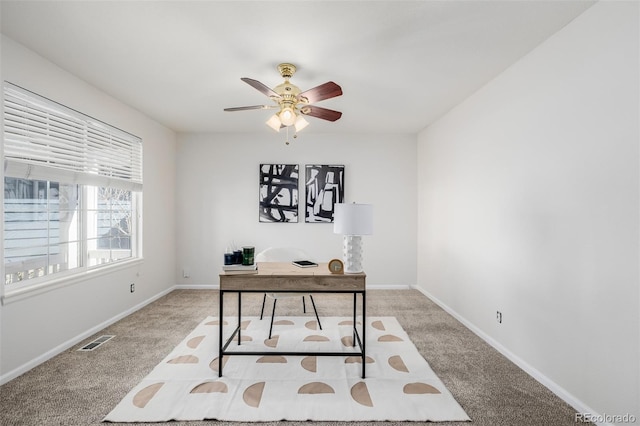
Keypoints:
(319, 112)
(327, 90)
(245, 108)
(261, 87)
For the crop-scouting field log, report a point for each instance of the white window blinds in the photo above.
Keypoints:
(44, 140)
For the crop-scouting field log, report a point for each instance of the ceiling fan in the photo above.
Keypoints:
(292, 103)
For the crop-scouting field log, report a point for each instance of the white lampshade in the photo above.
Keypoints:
(300, 123)
(274, 123)
(353, 219)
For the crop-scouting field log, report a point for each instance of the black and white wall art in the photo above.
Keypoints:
(324, 188)
(279, 192)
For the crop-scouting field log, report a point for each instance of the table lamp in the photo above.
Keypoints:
(352, 221)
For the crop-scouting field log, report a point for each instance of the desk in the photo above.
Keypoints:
(277, 277)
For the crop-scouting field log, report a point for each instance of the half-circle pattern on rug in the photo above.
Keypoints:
(245, 324)
(211, 387)
(397, 363)
(184, 359)
(358, 360)
(194, 342)
(253, 394)
(214, 364)
(310, 363)
(283, 322)
(347, 341)
(419, 388)
(271, 359)
(315, 388)
(378, 325)
(271, 343)
(389, 338)
(216, 322)
(311, 325)
(316, 338)
(141, 398)
(360, 394)
(245, 338)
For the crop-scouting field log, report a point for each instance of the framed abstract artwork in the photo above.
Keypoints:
(278, 193)
(324, 185)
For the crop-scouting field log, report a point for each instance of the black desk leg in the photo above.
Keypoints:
(220, 334)
(239, 316)
(354, 318)
(364, 335)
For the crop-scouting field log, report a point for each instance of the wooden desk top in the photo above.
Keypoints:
(284, 276)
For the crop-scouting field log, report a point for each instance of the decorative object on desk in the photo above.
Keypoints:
(247, 255)
(229, 258)
(324, 186)
(336, 266)
(185, 385)
(353, 221)
(237, 257)
(278, 193)
(240, 269)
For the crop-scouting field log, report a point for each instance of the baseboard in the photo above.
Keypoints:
(558, 390)
(77, 339)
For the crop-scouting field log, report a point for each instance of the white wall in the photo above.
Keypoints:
(36, 327)
(218, 199)
(528, 204)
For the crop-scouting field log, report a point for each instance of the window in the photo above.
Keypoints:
(72, 191)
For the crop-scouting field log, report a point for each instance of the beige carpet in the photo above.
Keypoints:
(399, 384)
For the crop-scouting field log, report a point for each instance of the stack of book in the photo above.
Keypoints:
(240, 269)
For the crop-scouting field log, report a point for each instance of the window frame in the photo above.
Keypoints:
(107, 174)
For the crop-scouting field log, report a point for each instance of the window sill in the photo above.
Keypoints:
(56, 283)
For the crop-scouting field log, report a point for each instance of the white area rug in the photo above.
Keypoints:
(399, 383)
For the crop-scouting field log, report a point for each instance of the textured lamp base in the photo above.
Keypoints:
(352, 254)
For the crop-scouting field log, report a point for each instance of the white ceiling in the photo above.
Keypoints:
(401, 64)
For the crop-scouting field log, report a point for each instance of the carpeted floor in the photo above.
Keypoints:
(80, 388)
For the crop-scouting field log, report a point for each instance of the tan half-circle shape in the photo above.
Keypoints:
(310, 363)
(419, 388)
(360, 394)
(216, 322)
(389, 338)
(316, 338)
(210, 387)
(378, 325)
(245, 338)
(272, 343)
(253, 394)
(347, 341)
(214, 364)
(283, 322)
(184, 359)
(272, 359)
(358, 360)
(315, 388)
(347, 322)
(194, 342)
(144, 396)
(311, 325)
(397, 363)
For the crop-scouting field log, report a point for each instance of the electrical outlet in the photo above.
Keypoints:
(186, 273)
(132, 287)
(499, 317)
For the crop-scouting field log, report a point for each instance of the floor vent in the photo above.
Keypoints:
(97, 342)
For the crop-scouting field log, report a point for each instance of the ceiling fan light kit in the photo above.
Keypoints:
(292, 103)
